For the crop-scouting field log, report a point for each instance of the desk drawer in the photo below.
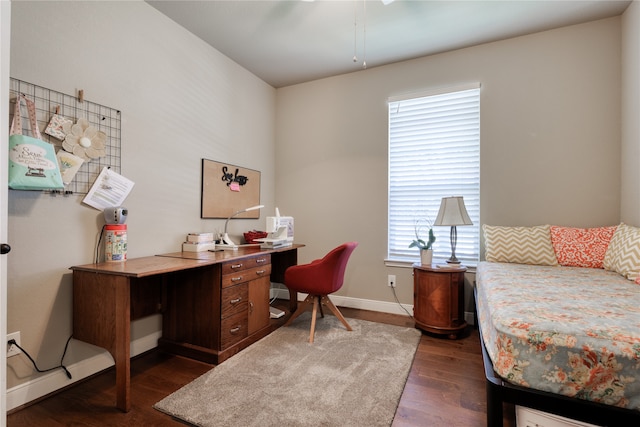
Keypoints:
(234, 300)
(233, 329)
(245, 275)
(232, 267)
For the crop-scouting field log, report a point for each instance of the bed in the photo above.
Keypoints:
(557, 338)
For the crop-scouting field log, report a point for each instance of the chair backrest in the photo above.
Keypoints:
(322, 276)
(338, 258)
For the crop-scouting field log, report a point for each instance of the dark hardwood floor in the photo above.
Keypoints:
(445, 388)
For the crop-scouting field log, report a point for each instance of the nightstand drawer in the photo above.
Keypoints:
(245, 275)
(234, 300)
(233, 329)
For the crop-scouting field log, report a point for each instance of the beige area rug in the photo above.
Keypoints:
(342, 379)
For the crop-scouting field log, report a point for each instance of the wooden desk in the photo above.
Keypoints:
(199, 294)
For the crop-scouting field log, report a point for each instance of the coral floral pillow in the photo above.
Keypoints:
(581, 247)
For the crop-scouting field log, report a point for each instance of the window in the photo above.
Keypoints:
(434, 152)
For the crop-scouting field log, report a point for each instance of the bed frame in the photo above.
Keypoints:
(500, 391)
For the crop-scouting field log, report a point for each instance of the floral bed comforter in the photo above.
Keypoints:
(566, 330)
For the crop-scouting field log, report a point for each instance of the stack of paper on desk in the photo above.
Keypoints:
(269, 243)
(198, 242)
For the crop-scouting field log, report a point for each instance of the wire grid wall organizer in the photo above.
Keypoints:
(103, 118)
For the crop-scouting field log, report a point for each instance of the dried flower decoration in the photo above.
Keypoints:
(84, 140)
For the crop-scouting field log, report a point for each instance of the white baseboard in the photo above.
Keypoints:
(48, 383)
(359, 303)
(469, 318)
(365, 304)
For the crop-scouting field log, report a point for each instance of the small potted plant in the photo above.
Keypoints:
(426, 251)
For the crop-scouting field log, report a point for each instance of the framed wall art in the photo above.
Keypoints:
(227, 189)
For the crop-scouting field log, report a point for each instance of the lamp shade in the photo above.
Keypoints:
(452, 212)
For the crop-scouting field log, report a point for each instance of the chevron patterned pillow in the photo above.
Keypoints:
(623, 254)
(520, 245)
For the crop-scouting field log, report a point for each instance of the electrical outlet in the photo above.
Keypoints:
(12, 350)
(391, 280)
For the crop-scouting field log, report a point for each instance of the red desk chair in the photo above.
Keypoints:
(319, 279)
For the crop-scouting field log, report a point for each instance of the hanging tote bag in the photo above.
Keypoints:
(32, 162)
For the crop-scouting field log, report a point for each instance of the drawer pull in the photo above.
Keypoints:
(235, 301)
(236, 266)
(235, 330)
(250, 307)
(261, 260)
(236, 279)
(260, 272)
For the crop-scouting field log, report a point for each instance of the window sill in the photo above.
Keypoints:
(471, 266)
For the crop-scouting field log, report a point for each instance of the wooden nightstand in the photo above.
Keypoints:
(438, 299)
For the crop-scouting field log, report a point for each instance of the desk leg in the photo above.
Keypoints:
(101, 316)
(122, 346)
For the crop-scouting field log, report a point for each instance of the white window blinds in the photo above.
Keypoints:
(434, 152)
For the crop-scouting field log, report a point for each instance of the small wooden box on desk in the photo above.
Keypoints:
(438, 299)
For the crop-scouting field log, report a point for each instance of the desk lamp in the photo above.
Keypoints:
(453, 212)
(226, 239)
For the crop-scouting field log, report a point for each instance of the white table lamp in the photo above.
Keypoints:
(226, 239)
(453, 212)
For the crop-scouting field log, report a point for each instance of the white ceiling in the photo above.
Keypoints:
(285, 42)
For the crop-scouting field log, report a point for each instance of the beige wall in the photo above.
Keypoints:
(180, 100)
(550, 143)
(630, 189)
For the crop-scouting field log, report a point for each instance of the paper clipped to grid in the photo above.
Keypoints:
(109, 190)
